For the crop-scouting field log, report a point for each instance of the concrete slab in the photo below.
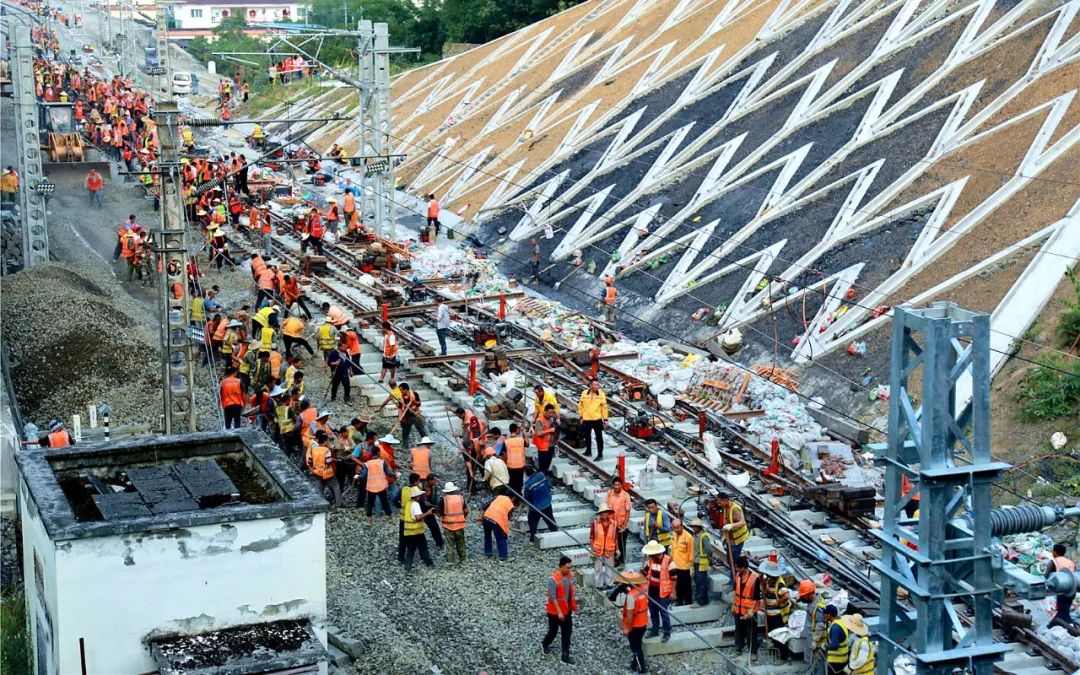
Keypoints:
(563, 538)
(686, 641)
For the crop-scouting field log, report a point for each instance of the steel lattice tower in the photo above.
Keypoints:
(933, 349)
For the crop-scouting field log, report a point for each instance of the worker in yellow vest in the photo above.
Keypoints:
(733, 523)
(863, 652)
(657, 524)
(413, 529)
(837, 644)
(777, 599)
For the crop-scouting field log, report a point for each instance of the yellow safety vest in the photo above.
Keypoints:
(326, 337)
(703, 546)
(284, 419)
(868, 667)
(663, 538)
(740, 534)
(772, 600)
(198, 313)
(412, 526)
(841, 653)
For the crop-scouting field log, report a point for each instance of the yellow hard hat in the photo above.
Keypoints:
(490, 343)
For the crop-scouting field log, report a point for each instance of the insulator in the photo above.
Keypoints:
(1022, 519)
(204, 122)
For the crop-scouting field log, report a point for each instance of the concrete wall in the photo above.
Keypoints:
(115, 592)
(39, 566)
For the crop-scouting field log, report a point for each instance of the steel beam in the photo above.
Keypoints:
(35, 232)
(161, 38)
(177, 369)
(409, 310)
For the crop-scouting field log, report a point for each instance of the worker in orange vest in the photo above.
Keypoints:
(452, 511)
(635, 616)
(320, 461)
(433, 211)
(420, 458)
(496, 521)
(656, 566)
(745, 607)
(58, 436)
(390, 361)
(561, 607)
(377, 476)
(232, 398)
(93, 185)
(602, 541)
(609, 299)
(1059, 563)
(619, 501)
(543, 437)
(514, 447)
(348, 206)
(333, 216)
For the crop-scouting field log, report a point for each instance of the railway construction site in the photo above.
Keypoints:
(656, 336)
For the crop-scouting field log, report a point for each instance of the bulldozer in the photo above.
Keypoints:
(62, 143)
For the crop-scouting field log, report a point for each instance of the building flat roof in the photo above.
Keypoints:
(146, 485)
(239, 3)
(253, 648)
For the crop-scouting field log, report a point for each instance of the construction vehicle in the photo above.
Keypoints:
(62, 143)
(152, 61)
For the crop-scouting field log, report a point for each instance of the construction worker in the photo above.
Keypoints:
(409, 413)
(733, 523)
(420, 458)
(537, 493)
(837, 644)
(496, 522)
(333, 216)
(682, 557)
(415, 540)
(593, 410)
(495, 472)
(702, 561)
(442, 323)
(320, 462)
(93, 186)
(337, 315)
(619, 501)
(257, 136)
(292, 332)
(129, 246)
(390, 361)
(561, 607)
(433, 211)
(814, 631)
(9, 185)
(544, 428)
(656, 566)
(232, 399)
(777, 600)
(341, 370)
(544, 398)
(745, 606)
(326, 338)
(602, 541)
(657, 524)
(58, 436)
(377, 475)
(294, 295)
(515, 445)
(635, 616)
(1063, 603)
(348, 206)
(452, 511)
(863, 653)
(608, 304)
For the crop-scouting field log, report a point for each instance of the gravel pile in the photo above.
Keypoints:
(74, 341)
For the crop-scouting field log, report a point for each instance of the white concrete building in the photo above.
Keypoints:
(204, 15)
(131, 547)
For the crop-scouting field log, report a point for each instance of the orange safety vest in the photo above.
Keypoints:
(59, 439)
(316, 227)
(231, 394)
(745, 604)
(499, 512)
(258, 265)
(421, 462)
(275, 364)
(1062, 563)
(453, 512)
(306, 419)
(352, 343)
(219, 334)
(540, 439)
(609, 295)
(566, 604)
(93, 182)
(332, 212)
(390, 346)
(515, 452)
(321, 461)
(376, 475)
(635, 612)
(620, 504)
(433, 208)
(266, 279)
(602, 538)
(337, 315)
(350, 203)
(660, 575)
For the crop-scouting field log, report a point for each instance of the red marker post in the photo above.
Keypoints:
(473, 384)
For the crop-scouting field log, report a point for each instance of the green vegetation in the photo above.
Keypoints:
(14, 634)
(427, 25)
(1051, 389)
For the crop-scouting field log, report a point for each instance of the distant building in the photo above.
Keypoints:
(199, 17)
(131, 549)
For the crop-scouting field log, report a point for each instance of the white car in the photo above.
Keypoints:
(184, 82)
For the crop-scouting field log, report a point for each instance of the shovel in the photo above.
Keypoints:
(560, 281)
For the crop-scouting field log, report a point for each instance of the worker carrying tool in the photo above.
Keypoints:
(777, 598)
(733, 523)
(608, 303)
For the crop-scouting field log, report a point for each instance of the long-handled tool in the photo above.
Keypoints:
(560, 281)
